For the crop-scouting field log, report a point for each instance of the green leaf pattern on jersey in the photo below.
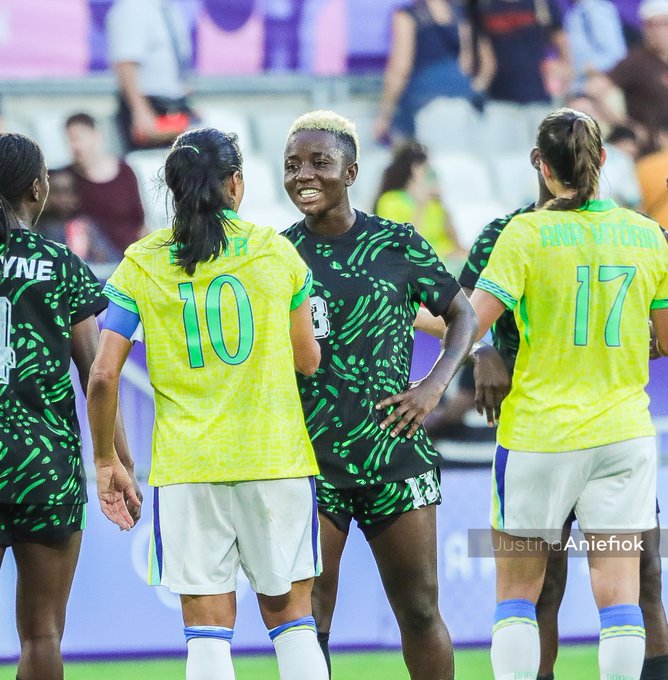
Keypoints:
(40, 459)
(371, 284)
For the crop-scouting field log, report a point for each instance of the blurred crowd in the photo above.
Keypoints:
(582, 53)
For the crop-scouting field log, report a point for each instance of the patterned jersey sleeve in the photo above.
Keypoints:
(432, 284)
(123, 285)
(84, 290)
(506, 273)
(300, 274)
(479, 253)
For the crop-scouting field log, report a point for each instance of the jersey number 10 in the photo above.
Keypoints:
(606, 274)
(214, 321)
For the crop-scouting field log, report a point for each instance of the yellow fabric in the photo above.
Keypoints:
(578, 382)
(399, 206)
(219, 421)
(652, 171)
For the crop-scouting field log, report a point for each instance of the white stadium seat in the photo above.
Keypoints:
(227, 120)
(279, 215)
(505, 127)
(515, 179)
(447, 124)
(147, 166)
(462, 177)
(470, 217)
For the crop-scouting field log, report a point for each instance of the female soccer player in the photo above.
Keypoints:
(48, 302)
(224, 307)
(370, 276)
(582, 277)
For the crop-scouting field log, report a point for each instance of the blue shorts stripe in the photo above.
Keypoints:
(315, 525)
(500, 462)
(156, 529)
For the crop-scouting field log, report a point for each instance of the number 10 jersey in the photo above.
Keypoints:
(219, 356)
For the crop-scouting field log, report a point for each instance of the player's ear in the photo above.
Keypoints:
(535, 158)
(604, 156)
(351, 174)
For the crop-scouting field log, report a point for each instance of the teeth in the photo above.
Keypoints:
(309, 192)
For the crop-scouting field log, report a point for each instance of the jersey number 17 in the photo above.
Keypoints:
(606, 274)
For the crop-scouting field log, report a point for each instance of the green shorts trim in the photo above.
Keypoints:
(375, 506)
(40, 523)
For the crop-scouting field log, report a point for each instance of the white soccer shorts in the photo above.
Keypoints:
(202, 533)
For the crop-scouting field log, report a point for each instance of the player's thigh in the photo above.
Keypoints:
(405, 552)
(193, 547)
(533, 493)
(278, 532)
(620, 495)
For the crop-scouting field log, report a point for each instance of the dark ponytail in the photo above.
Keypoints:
(21, 163)
(570, 143)
(197, 165)
(400, 170)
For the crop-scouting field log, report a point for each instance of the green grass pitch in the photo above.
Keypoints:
(575, 663)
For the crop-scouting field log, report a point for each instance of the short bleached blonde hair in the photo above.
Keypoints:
(329, 121)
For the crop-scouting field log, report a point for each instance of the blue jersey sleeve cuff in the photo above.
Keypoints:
(494, 289)
(123, 321)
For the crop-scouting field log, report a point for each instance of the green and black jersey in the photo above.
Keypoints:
(505, 333)
(44, 290)
(367, 286)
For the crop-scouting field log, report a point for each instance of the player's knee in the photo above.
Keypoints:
(419, 615)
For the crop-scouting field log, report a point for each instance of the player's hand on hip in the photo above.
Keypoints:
(117, 494)
(410, 408)
(492, 382)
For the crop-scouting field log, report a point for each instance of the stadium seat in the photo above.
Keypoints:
(260, 180)
(373, 160)
(514, 178)
(227, 120)
(505, 127)
(447, 124)
(462, 177)
(48, 130)
(279, 215)
(271, 131)
(469, 217)
(147, 165)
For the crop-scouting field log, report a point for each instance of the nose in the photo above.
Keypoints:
(305, 172)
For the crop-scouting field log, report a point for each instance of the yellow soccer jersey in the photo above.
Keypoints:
(219, 356)
(581, 285)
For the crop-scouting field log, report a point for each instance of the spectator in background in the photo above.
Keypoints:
(63, 222)
(653, 176)
(107, 187)
(150, 50)
(431, 56)
(521, 33)
(643, 75)
(595, 37)
(618, 176)
(409, 193)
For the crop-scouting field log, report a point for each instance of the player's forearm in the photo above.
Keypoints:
(460, 332)
(121, 443)
(103, 413)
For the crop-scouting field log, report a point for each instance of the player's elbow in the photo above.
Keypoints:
(101, 378)
(308, 360)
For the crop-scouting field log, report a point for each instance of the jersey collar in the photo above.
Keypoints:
(229, 214)
(599, 205)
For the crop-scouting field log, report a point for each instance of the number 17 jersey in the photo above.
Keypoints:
(219, 357)
(581, 284)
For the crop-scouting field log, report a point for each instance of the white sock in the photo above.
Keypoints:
(297, 651)
(209, 653)
(621, 651)
(515, 641)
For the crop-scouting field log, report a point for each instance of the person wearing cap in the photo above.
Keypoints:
(643, 75)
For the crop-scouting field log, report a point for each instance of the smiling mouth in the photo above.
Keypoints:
(306, 194)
